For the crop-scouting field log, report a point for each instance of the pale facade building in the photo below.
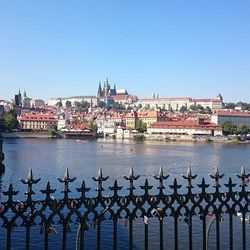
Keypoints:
(175, 103)
(235, 116)
(37, 122)
(186, 127)
(90, 99)
(37, 103)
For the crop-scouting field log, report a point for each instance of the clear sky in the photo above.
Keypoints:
(177, 48)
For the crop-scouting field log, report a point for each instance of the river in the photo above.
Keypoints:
(49, 158)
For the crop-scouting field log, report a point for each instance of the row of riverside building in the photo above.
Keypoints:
(157, 122)
(159, 115)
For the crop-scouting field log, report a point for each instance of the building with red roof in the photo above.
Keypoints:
(186, 127)
(37, 121)
(175, 103)
(235, 116)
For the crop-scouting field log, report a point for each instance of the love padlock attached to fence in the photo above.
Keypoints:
(2, 207)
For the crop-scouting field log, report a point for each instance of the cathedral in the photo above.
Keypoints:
(106, 91)
(22, 101)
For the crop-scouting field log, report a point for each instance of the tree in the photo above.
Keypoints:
(228, 128)
(208, 110)
(200, 109)
(93, 126)
(59, 104)
(53, 131)
(85, 105)
(230, 105)
(243, 129)
(183, 109)
(10, 120)
(68, 104)
(77, 104)
(193, 107)
(101, 104)
(242, 105)
(117, 106)
(140, 126)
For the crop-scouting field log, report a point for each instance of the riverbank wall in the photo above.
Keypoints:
(25, 135)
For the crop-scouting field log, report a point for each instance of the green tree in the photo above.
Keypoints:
(243, 105)
(101, 104)
(193, 107)
(68, 104)
(77, 105)
(53, 133)
(230, 105)
(208, 110)
(228, 128)
(93, 126)
(183, 109)
(140, 126)
(243, 129)
(118, 107)
(85, 105)
(10, 120)
(59, 104)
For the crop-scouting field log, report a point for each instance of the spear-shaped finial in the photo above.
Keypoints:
(66, 177)
(131, 175)
(100, 177)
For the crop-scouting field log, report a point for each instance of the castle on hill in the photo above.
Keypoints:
(107, 91)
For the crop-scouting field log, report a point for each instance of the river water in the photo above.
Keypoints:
(49, 158)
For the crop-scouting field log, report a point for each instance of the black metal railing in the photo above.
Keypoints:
(223, 203)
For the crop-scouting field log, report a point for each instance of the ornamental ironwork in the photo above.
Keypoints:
(124, 203)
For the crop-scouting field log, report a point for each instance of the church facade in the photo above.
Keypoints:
(110, 95)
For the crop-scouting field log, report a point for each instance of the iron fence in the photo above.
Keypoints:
(167, 202)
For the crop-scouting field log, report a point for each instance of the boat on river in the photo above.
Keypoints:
(79, 134)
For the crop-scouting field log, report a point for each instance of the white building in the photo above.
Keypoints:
(235, 116)
(90, 99)
(36, 103)
(61, 123)
(186, 127)
(175, 103)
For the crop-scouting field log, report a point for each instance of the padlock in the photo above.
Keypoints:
(21, 207)
(145, 219)
(85, 226)
(42, 229)
(2, 207)
(68, 228)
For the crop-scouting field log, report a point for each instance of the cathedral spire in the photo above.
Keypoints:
(99, 92)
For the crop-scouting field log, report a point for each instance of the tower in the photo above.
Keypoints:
(99, 92)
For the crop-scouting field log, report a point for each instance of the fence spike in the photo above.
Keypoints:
(66, 174)
(30, 175)
(99, 176)
(242, 171)
(160, 172)
(131, 172)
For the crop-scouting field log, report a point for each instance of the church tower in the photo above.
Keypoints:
(99, 92)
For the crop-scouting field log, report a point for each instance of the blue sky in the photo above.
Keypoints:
(57, 48)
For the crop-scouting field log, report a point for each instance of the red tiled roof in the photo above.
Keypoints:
(123, 97)
(205, 100)
(38, 117)
(187, 124)
(232, 113)
(166, 99)
(150, 113)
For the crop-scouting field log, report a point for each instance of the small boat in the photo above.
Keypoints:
(80, 134)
